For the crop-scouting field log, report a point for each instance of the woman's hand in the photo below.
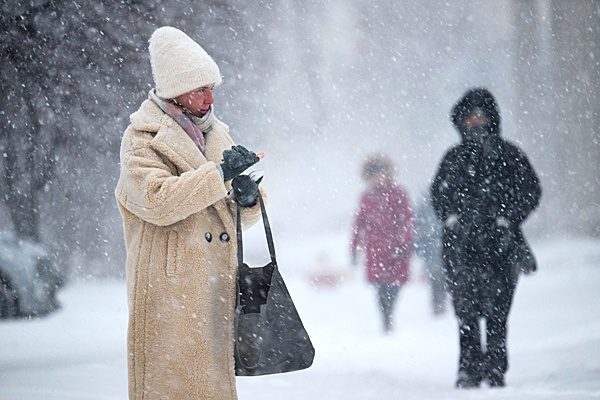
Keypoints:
(236, 161)
(245, 190)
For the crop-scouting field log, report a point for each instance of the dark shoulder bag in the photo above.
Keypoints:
(269, 335)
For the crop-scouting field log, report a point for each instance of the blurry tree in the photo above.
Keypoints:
(557, 78)
(28, 162)
(70, 74)
(61, 69)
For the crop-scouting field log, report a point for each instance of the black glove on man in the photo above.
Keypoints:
(236, 161)
(245, 190)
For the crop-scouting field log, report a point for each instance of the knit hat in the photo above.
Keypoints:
(377, 164)
(179, 64)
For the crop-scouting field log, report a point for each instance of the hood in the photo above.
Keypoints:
(476, 98)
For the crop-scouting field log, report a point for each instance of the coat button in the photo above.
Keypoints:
(208, 237)
(224, 237)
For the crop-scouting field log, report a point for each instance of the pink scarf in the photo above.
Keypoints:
(176, 112)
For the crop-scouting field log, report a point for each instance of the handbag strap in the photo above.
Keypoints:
(268, 233)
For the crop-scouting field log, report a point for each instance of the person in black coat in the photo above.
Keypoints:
(485, 188)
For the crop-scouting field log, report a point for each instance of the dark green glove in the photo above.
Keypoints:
(236, 161)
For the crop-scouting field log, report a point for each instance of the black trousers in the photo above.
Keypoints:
(482, 290)
(387, 295)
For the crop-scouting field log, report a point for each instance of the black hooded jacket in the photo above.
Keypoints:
(484, 189)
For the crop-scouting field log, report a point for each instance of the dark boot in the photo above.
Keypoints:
(387, 324)
(495, 379)
(466, 381)
(387, 295)
(470, 367)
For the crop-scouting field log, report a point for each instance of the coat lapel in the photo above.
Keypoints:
(215, 145)
(173, 143)
(216, 142)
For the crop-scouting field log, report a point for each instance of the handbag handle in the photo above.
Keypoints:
(268, 232)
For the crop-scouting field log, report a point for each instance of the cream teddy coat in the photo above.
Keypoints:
(181, 260)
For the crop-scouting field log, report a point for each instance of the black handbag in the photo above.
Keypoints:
(522, 258)
(269, 335)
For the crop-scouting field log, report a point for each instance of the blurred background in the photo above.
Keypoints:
(316, 85)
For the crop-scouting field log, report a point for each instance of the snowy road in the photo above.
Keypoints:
(554, 341)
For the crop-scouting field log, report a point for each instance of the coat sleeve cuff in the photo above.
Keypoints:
(220, 171)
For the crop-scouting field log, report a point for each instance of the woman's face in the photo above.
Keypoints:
(198, 101)
(476, 119)
(379, 179)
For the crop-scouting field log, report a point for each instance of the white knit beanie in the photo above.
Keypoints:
(179, 65)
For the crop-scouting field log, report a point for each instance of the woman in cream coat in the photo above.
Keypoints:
(179, 231)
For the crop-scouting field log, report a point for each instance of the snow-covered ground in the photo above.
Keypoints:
(554, 339)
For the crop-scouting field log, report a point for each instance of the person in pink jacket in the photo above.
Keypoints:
(383, 230)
